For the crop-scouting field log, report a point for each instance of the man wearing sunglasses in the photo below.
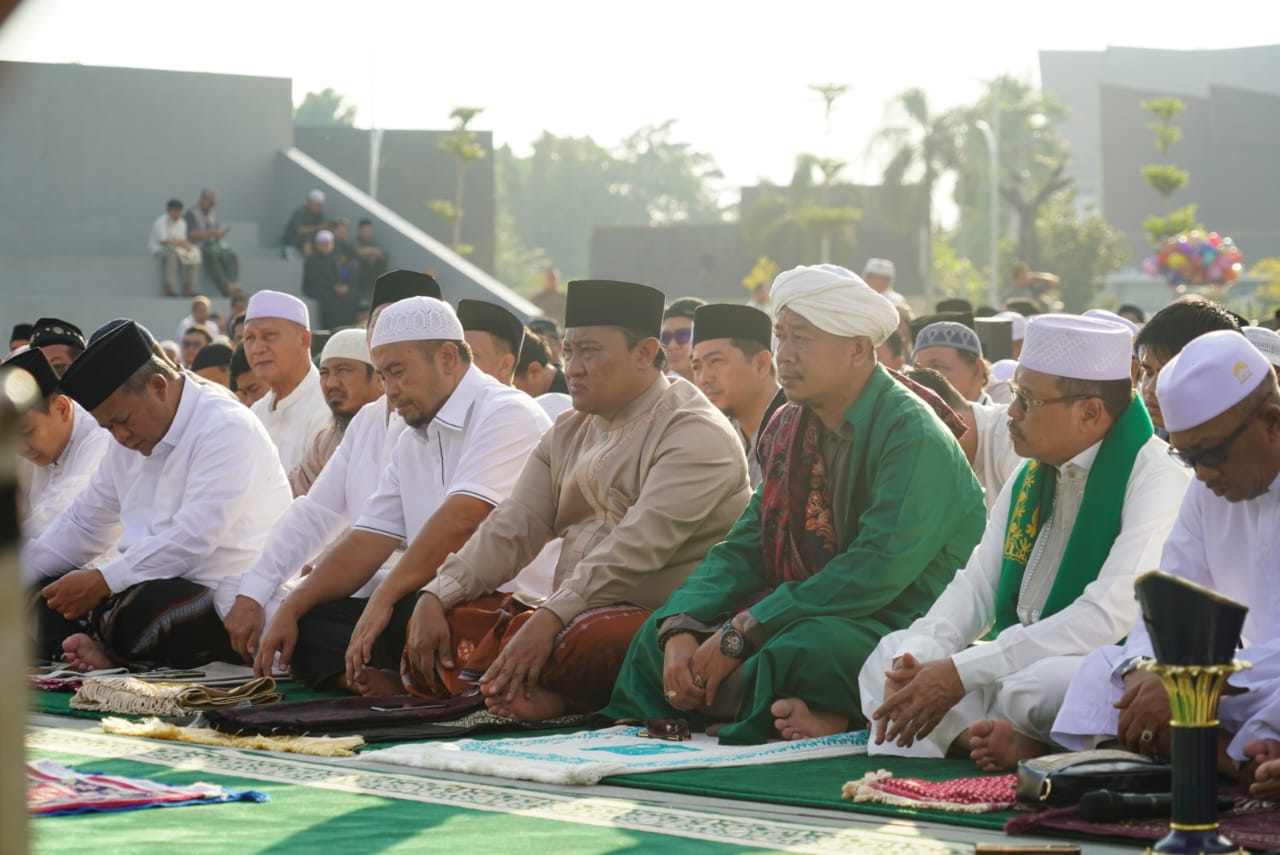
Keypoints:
(1052, 578)
(677, 336)
(1222, 409)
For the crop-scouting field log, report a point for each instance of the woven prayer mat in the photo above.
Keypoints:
(59, 703)
(327, 807)
(587, 756)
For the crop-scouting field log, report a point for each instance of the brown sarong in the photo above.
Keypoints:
(584, 662)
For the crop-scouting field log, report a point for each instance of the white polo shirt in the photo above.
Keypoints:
(294, 420)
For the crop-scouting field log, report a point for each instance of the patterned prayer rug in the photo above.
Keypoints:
(962, 795)
(55, 790)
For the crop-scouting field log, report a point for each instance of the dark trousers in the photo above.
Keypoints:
(163, 623)
(324, 634)
(222, 265)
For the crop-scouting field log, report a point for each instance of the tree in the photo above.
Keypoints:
(925, 145)
(1082, 250)
(462, 143)
(1165, 178)
(672, 182)
(804, 222)
(829, 93)
(327, 108)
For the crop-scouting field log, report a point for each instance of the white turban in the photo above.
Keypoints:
(835, 300)
(416, 319)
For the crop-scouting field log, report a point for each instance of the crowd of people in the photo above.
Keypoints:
(810, 514)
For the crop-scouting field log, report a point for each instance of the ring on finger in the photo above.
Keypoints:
(699, 681)
(671, 694)
(1148, 736)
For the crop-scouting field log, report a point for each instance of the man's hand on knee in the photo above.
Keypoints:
(1144, 713)
(244, 625)
(925, 693)
(520, 664)
(428, 642)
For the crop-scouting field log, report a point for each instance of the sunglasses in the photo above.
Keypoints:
(1028, 404)
(678, 336)
(1215, 456)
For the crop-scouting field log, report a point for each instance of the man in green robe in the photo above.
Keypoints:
(866, 507)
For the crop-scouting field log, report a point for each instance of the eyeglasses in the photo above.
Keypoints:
(679, 336)
(1215, 456)
(1028, 404)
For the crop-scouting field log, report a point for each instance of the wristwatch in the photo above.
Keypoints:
(732, 642)
(1133, 665)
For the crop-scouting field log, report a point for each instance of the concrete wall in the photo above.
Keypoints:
(89, 155)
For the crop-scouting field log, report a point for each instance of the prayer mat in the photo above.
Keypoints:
(59, 703)
(154, 728)
(56, 790)
(1251, 824)
(385, 719)
(587, 756)
(962, 795)
(132, 696)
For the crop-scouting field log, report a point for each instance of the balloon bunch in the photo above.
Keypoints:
(1196, 258)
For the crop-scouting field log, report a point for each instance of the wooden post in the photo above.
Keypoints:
(18, 392)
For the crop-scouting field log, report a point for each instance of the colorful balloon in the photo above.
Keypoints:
(1196, 258)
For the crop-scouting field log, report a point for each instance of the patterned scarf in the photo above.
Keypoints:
(1096, 526)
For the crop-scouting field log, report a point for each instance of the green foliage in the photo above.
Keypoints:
(445, 210)
(1159, 229)
(955, 275)
(1166, 135)
(516, 264)
(327, 108)
(1267, 297)
(1165, 178)
(1082, 250)
(464, 145)
(1165, 109)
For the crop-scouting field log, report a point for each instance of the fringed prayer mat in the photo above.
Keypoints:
(1251, 824)
(588, 756)
(961, 795)
(154, 728)
(55, 790)
(131, 696)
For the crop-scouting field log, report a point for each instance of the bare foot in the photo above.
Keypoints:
(794, 720)
(997, 747)
(375, 683)
(540, 706)
(84, 653)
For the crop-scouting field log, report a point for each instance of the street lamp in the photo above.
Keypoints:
(993, 156)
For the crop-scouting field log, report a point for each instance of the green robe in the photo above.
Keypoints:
(915, 511)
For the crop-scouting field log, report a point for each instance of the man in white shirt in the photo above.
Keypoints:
(63, 442)
(169, 243)
(1221, 407)
(277, 343)
(495, 336)
(333, 503)
(538, 376)
(1053, 573)
(955, 352)
(201, 316)
(879, 273)
(467, 439)
(193, 482)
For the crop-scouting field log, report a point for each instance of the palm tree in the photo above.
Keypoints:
(923, 145)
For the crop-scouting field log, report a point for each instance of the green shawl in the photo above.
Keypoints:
(1095, 528)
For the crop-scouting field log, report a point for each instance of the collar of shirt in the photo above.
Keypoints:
(187, 393)
(312, 378)
(645, 401)
(1081, 463)
(82, 424)
(453, 413)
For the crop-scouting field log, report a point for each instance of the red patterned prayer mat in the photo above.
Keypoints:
(54, 790)
(1251, 824)
(962, 795)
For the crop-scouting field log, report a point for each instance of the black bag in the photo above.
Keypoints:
(1059, 780)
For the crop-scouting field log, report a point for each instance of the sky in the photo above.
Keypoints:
(734, 75)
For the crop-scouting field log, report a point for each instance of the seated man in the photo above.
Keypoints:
(201, 316)
(1053, 576)
(640, 479)
(677, 336)
(332, 505)
(20, 336)
(495, 336)
(303, 224)
(194, 340)
(733, 366)
(190, 528)
(277, 343)
(61, 342)
(169, 243)
(467, 438)
(349, 382)
(538, 376)
(213, 363)
(839, 545)
(954, 351)
(322, 281)
(245, 385)
(63, 442)
(987, 443)
(372, 258)
(1222, 409)
(204, 230)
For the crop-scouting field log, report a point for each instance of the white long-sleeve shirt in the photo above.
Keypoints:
(198, 507)
(328, 509)
(166, 229)
(995, 461)
(293, 421)
(1101, 615)
(54, 487)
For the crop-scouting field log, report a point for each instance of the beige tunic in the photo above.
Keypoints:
(639, 502)
(318, 453)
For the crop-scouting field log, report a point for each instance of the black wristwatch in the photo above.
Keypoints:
(732, 642)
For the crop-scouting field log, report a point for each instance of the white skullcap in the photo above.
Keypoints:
(347, 344)
(1266, 341)
(1104, 315)
(324, 236)
(416, 319)
(276, 304)
(878, 267)
(315, 196)
(1002, 370)
(1017, 321)
(1210, 376)
(836, 301)
(1077, 348)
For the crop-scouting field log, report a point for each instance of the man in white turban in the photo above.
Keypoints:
(1053, 576)
(1221, 406)
(867, 505)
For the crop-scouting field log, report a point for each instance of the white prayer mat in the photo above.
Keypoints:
(587, 756)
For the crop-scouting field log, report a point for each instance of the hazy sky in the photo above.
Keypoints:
(734, 74)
